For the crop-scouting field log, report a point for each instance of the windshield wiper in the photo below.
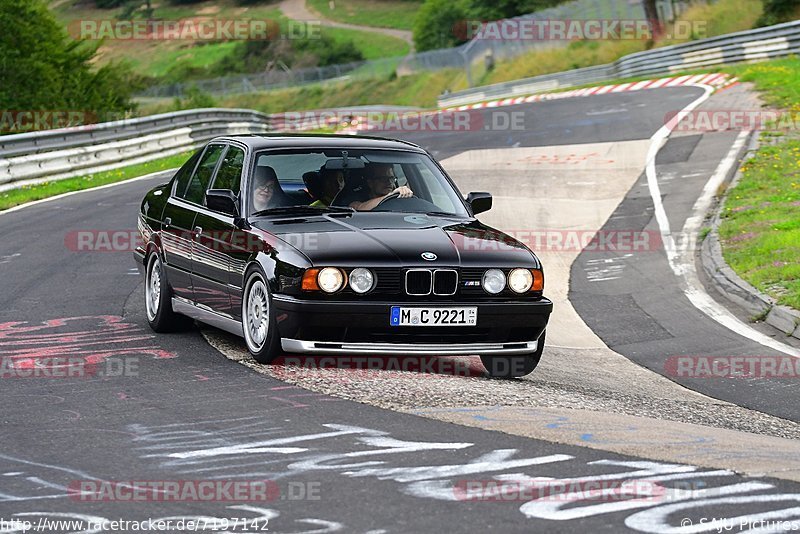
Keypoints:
(303, 208)
(442, 214)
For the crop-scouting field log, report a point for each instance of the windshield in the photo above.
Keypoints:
(363, 180)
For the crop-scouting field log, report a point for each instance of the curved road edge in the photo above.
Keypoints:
(731, 285)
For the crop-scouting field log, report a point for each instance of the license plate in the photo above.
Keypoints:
(401, 316)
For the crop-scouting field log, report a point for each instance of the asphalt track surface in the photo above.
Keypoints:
(180, 411)
(640, 316)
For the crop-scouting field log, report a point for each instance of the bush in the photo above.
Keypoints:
(195, 98)
(503, 9)
(108, 4)
(438, 24)
(329, 51)
(777, 11)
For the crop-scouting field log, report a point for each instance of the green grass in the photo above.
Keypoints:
(197, 56)
(156, 58)
(724, 16)
(379, 13)
(421, 89)
(778, 81)
(760, 230)
(372, 45)
(15, 197)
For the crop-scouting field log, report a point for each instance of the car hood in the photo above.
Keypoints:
(390, 239)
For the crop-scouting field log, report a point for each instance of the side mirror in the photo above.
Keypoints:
(480, 201)
(223, 201)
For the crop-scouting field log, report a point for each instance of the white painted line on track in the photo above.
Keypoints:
(681, 261)
(69, 194)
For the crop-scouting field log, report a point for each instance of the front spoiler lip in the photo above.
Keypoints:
(442, 349)
(541, 306)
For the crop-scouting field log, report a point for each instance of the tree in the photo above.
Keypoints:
(42, 69)
(651, 14)
(777, 11)
(439, 24)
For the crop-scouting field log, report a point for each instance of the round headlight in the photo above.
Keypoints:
(361, 280)
(520, 280)
(494, 281)
(330, 279)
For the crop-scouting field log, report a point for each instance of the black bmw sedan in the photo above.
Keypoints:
(338, 245)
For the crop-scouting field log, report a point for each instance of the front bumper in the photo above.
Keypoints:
(441, 349)
(138, 256)
(363, 327)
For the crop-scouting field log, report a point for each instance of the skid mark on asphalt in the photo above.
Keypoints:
(74, 340)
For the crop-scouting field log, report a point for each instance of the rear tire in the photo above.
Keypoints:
(258, 319)
(158, 302)
(513, 366)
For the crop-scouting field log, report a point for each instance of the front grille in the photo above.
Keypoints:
(418, 282)
(445, 282)
(389, 281)
(471, 282)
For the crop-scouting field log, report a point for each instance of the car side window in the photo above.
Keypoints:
(202, 176)
(229, 175)
(184, 173)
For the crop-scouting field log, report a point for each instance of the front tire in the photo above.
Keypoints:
(513, 366)
(158, 303)
(258, 319)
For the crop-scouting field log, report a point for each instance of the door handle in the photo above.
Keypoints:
(167, 222)
(197, 231)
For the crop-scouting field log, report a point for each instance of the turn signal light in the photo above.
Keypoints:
(538, 280)
(310, 280)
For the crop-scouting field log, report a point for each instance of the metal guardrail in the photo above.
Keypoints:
(50, 155)
(759, 44)
(463, 56)
(57, 154)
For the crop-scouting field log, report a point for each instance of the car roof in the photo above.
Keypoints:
(282, 140)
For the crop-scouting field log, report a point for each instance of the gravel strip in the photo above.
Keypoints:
(409, 391)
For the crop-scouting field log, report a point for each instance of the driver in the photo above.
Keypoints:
(381, 183)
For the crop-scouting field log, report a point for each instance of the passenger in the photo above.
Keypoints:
(324, 186)
(267, 192)
(381, 183)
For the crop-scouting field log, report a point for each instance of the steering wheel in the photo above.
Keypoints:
(412, 204)
(389, 197)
